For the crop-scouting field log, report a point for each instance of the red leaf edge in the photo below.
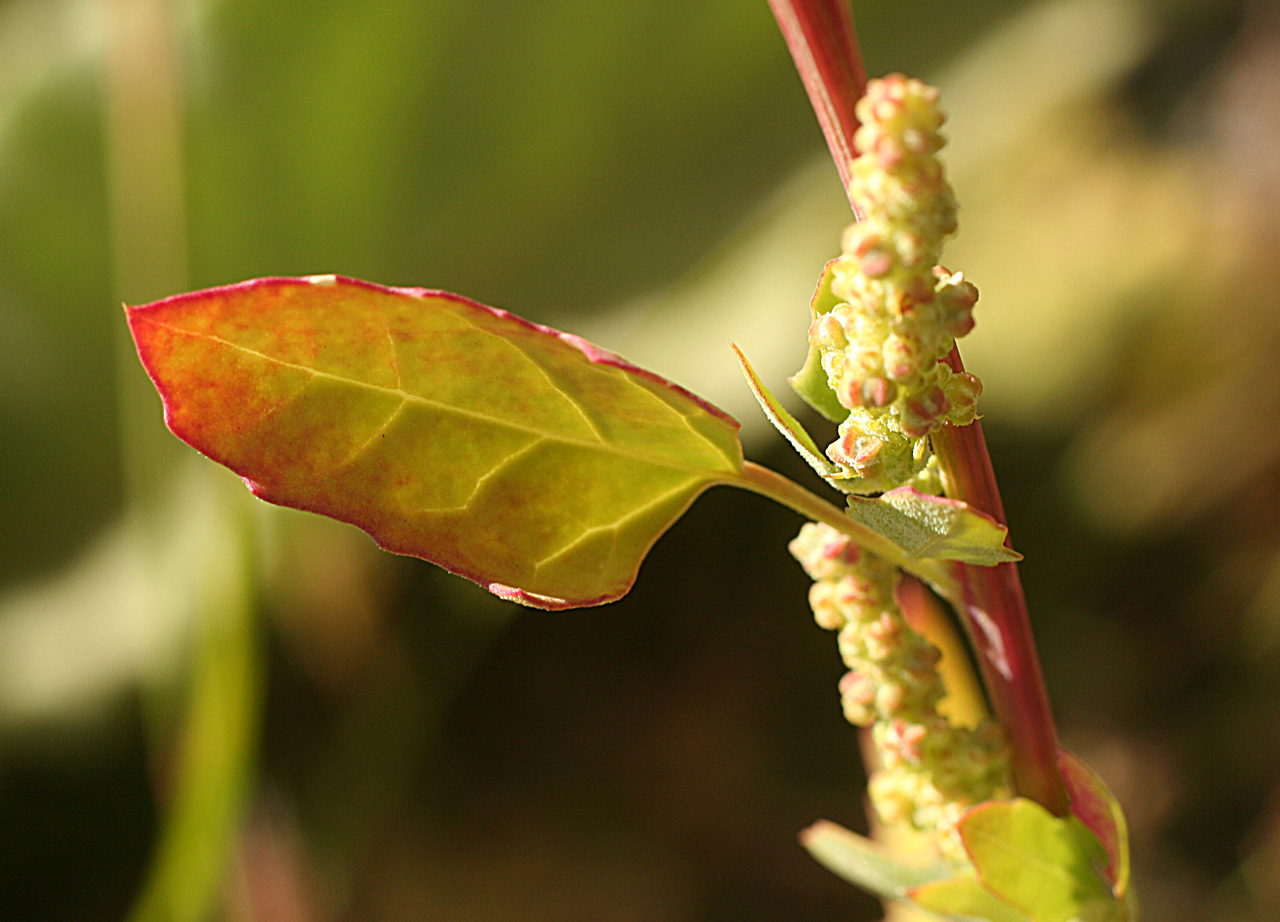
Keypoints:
(137, 315)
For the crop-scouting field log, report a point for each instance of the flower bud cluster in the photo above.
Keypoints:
(901, 311)
(930, 771)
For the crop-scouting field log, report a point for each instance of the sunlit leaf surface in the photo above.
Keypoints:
(810, 382)
(1048, 867)
(934, 526)
(964, 899)
(525, 459)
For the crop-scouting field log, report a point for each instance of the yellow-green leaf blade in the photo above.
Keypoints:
(1050, 868)
(522, 458)
(788, 425)
(963, 899)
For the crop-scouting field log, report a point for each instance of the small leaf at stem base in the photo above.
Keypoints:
(964, 899)
(1050, 868)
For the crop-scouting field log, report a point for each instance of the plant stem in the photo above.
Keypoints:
(820, 37)
(780, 489)
(994, 612)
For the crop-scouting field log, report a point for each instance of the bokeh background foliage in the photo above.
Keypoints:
(214, 709)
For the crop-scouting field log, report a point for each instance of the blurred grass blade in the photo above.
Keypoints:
(214, 755)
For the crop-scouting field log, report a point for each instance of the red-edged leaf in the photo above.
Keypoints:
(934, 526)
(1095, 806)
(788, 425)
(1045, 866)
(527, 460)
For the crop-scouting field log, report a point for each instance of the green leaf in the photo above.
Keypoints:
(524, 459)
(1048, 867)
(934, 526)
(865, 863)
(964, 899)
(789, 426)
(1095, 806)
(810, 382)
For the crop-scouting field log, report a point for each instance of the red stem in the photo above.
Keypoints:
(995, 616)
(820, 36)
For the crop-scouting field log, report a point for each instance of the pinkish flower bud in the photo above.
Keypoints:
(901, 357)
(826, 333)
(921, 414)
(876, 262)
(878, 392)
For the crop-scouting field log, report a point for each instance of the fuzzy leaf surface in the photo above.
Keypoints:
(810, 382)
(865, 863)
(934, 526)
(789, 426)
(1050, 868)
(524, 459)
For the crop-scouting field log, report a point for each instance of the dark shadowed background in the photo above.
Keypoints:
(212, 709)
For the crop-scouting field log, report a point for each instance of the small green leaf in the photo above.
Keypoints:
(788, 425)
(933, 526)
(1095, 806)
(527, 460)
(865, 863)
(810, 382)
(1048, 867)
(964, 899)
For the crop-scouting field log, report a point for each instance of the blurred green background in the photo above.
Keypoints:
(212, 709)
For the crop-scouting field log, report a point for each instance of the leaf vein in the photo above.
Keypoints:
(419, 399)
(489, 475)
(368, 443)
(613, 526)
(555, 385)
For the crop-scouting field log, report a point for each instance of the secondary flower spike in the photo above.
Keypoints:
(901, 312)
(930, 772)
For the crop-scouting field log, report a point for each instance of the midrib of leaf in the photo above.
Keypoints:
(611, 447)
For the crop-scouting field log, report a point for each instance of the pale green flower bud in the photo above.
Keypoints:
(881, 348)
(931, 772)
